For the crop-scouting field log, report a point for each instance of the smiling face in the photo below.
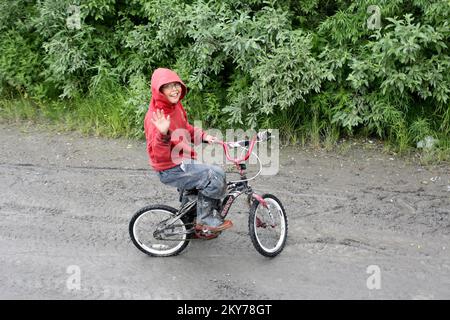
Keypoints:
(172, 91)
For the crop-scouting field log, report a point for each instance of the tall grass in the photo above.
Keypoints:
(105, 115)
(110, 114)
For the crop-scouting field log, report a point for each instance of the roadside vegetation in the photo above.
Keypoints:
(319, 71)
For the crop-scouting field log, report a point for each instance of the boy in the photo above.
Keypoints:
(168, 135)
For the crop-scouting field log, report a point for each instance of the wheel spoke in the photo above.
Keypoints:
(269, 225)
(151, 235)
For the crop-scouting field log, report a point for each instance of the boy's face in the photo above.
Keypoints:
(172, 91)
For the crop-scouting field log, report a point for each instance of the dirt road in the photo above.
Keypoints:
(362, 225)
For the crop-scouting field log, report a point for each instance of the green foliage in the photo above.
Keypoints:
(312, 68)
(286, 76)
(136, 104)
(20, 58)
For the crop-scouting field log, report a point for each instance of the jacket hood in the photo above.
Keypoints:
(160, 77)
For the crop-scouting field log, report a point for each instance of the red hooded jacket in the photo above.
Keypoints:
(167, 151)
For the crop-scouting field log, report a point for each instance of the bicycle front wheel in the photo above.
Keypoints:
(151, 236)
(268, 226)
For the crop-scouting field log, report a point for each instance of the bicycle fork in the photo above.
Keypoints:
(263, 202)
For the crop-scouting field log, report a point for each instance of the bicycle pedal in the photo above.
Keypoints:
(207, 235)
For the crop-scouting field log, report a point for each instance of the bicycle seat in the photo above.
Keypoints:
(191, 191)
(187, 192)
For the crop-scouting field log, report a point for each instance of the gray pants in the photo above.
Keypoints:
(207, 179)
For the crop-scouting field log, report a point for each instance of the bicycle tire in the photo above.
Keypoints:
(253, 228)
(152, 251)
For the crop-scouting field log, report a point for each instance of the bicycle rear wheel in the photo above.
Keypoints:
(268, 226)
(168, 241)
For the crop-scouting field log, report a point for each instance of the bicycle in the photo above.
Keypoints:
(267, 222)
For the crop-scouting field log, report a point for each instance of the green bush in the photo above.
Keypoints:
(314, 68)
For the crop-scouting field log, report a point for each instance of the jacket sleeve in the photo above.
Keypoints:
(197, 134)
(158, 145)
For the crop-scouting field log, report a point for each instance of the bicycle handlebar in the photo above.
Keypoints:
(259, 137)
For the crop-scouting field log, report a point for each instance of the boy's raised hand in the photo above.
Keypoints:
(161, 123)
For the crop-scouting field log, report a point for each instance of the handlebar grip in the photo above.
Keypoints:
(243, 143)
(264, 135)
